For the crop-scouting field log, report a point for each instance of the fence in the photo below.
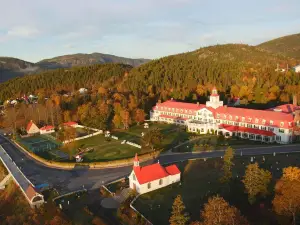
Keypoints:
(84, 137)
(133, 144)
(134, 209)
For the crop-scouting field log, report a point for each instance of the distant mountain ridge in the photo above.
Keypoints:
(67, 61)
(287, 45)
(13, 67)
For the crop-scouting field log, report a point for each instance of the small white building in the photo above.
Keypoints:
(152, 177)
(82, 90)
(32, 128)
(47, 130)
(297, 69)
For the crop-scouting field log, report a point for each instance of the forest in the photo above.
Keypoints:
(119, 95)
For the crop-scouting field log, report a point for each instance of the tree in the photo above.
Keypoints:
(139, 116)
(256, 181)
(117, 120)
(178, 216)
(126, 120)
(287, 194)
(153, 138)
(218, 212)
(227, 165)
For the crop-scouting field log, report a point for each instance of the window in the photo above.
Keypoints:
(271, 122)
(160, 182)
(256, 120)
(133, 176)
(249, 119)
(230, 117)
(281, 130)
(202, 130)
(263, 121)
(281, 124)
(149, 185)
(290, 123)
(271, 129)
(278, 138)
(236, 118)
(243, 119)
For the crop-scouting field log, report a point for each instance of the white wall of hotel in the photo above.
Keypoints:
(204, 120)
(153, 185)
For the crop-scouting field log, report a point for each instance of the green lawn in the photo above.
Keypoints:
(200, 179)
(173, 134)
(202, 141)
(106, 150)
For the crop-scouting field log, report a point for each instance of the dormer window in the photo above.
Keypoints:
(290, 124)
(263, 121)
(281, 124)
(271, 122)
(243, 119)
(225, 116)
(230, 117)
(190, 111)
(185, 111)
(236, 118)
(218, 115)
(249, 119)
(181, 110)
(173, 109)
(256, 120)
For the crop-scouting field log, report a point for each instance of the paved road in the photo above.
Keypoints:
(71, 180)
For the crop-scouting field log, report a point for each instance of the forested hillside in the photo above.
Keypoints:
(287, 46)
(240, 70)
(120, 95)
(62, 79)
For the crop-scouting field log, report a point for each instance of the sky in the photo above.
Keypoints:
(37, 29)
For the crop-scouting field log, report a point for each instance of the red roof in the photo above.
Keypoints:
(246, 129)
(190, 107)
(173, 117)
(251, 115)
(70, 123)
(29, 125)
(172, 170)
(287, 108)
(47, 128)
(31, 192)
(153, 172)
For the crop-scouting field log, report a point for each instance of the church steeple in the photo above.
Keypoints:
(136, 162)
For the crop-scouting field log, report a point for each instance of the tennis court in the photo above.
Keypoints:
(39, 143)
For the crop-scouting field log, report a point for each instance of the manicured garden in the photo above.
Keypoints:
(200, 180)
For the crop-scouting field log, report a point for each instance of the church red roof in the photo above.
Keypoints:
(153, 172)
(172, 170)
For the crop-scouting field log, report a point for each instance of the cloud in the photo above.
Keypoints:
(23, 32)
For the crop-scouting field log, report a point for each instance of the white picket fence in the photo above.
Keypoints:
(86, 136)
(114, 137)
(133, 144)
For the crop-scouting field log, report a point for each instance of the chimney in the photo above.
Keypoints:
(295, 101)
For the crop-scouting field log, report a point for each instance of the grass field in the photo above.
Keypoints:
(106, 150)
(200, 179)
(216, 143)
(173, 134)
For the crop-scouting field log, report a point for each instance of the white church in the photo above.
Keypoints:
(152, 177)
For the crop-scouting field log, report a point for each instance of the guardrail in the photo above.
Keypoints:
(134, 209)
